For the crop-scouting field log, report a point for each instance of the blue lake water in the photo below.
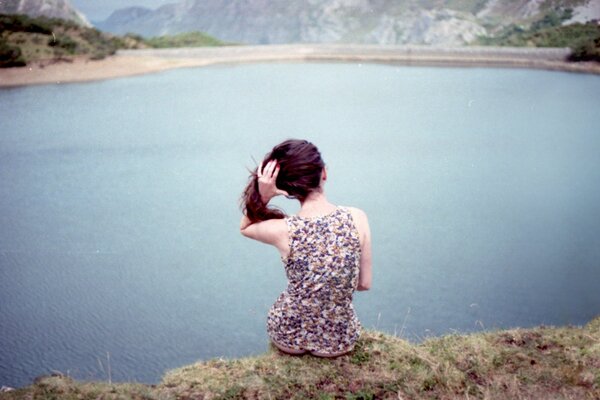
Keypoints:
(119, 207)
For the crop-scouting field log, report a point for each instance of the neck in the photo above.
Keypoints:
(315, 201)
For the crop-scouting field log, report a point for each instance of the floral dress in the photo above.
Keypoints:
(315, 311)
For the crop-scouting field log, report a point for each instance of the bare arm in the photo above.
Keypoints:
(365, 272)
(272, 231)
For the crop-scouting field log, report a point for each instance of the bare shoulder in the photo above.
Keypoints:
(361, 223)
(358, 214)
(360, 220)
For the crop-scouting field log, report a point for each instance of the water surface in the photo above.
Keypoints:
(119, 218)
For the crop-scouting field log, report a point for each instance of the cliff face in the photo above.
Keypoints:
(437, 22)
(46, 8)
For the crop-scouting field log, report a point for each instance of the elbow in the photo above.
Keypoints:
(363, 286)
(244, 224)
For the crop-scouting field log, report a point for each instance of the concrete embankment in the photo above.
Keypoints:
(543, 58)
(137, 62)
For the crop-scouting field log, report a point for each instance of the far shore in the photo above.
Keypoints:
(136, 62)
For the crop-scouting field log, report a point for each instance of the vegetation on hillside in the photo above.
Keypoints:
(25, 39)
(190, 39)
(549, 31)
(10, 55)
(536, 363)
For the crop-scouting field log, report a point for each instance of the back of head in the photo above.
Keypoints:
(300, 166)
(300, 172)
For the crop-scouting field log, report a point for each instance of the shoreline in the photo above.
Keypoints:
(81, 70)
(138, 62)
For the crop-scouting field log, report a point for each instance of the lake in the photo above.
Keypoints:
(119, 240)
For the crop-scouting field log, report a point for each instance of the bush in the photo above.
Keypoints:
(63, 42)
(10, 56)
(589, 51)
(95, 37)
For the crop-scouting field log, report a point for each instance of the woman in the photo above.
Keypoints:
(326, 251)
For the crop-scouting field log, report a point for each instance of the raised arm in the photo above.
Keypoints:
(271, 231)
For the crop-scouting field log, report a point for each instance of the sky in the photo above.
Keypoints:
(98, 10)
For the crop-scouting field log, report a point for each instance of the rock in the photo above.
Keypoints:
(47, 8)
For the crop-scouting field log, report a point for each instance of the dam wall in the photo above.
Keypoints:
(544, 58)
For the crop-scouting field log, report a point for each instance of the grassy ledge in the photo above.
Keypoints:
(536, 363)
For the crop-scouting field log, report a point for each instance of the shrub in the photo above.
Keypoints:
(588, 51)
(63, 42)
(10, 56)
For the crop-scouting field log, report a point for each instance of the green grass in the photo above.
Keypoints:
(536, 363)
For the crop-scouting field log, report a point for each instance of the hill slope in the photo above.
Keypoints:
(45, 40)
(25, 39)
(537, 363)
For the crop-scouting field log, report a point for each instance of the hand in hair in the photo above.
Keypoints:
(267, 181)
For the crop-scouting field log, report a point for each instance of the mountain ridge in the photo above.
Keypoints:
(434, 22)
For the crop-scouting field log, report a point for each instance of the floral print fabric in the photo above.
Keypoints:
(315, 311)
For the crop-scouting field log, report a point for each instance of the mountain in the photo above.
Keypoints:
(44, 8)
(437, 22)
(125, 16)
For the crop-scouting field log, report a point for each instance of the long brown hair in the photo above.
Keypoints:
(300, 168)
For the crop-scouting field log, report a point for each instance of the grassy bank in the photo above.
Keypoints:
(537, 363)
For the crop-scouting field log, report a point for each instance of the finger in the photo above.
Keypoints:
(274, 167)
(270, 168)
(259, 170)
